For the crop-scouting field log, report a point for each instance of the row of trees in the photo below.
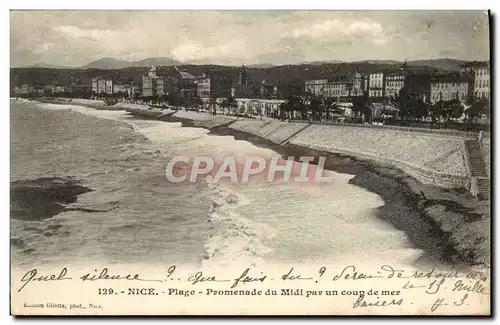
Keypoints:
(405, 107)
(318, 108)
(411, 107)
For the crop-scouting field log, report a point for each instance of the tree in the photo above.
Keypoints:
(316, 106)
(293, 103)
(174, 99)
(476, 106)
(154, 99)
(438, 110)
(259, 111)
(241, 110)
(212, 103)
(362, 106)
(454, 109)
(197, 102)
(400, 102)
(421, 109)
(229, 102)
(164, 98)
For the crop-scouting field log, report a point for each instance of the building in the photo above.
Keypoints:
(338, 89)
(102, 85)
(316, 86)
(56, 89)
(482, 82)
(359, 84)
(480, 75)
(23, 89)
(341, 87)
(203, 86)
(169, 81)
(265, 107)
(243, 77)
(376, 85)
(152, 84)
(126, 90)
(448, 87)
(80, 90)
(108, 88)
(394, 82)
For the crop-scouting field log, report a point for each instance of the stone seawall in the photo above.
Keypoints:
(429, 158)
(204, 120)
(275, 131)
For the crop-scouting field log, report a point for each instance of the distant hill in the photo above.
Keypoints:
(107, 63)
(446, 64)
(132, 72)
(112, 64)
(379, 62)
(156, 62)
(261, 66)
(321, 62)
(45, 65)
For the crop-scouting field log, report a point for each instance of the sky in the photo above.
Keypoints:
(75, 38)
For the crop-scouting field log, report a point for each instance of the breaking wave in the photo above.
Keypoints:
(233, 238)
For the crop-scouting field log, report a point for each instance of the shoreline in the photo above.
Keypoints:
(449, 225)
(435, 222)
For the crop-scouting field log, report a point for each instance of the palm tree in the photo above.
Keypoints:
(212, 103)
(229, 102)
(241, 111)
(293, 103)
(197, 102)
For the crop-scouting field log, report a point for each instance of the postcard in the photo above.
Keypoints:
(250, 163)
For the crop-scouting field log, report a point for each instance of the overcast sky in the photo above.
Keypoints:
(75, 38)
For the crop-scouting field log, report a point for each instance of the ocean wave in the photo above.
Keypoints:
(233, 237)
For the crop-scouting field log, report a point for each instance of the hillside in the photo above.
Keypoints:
(46, 65)
(112, 64)
(122, 72)
(446, 64)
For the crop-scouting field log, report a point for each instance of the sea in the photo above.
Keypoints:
(145, 220)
